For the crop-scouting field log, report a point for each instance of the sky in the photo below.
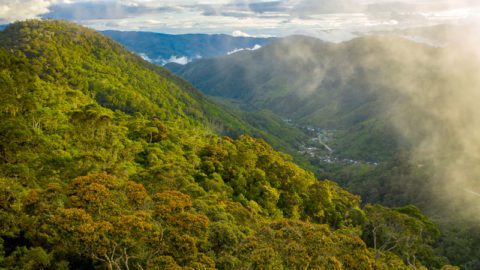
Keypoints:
(246, 17)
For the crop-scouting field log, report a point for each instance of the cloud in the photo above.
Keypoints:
(13, 10)
(263, 7)
(92, 11)
(95, 10)
(390, 7)
(257, 17)
(254, 48)
(238, 33)
(181, 60)
(145, 57)
(308, 7)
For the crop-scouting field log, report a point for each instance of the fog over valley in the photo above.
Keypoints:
(240, 134)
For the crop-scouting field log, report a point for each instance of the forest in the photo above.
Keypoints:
(386, 116)
(110, 162)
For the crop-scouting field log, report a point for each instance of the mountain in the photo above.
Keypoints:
(351, 88)
(302, 78)
(234, 122)
(390, 119)
(371, 99)
(312, 83)
(163, 48)
(108, 161)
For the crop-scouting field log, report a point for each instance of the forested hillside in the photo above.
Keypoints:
(315, 83)
(389, 118)
(109, 162)
(372, 100)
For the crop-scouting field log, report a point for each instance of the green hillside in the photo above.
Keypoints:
(314, 83)
(368, 99)
(108, 162)
(388, 118)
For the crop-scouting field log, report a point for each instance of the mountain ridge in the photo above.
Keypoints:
(162, 48)
(280, 78)
(388, 108)
(109, 162)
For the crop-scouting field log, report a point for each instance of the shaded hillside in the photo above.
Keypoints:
(330, 86)
(163, 48)
(309, 80)
(381, 97)
(408, 108)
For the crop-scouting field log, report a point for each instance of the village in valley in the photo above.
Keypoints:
(318, 145)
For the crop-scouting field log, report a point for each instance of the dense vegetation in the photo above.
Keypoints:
(110, 162)
(316, 83)
(399, 112)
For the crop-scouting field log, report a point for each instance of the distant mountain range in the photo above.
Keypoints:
(163, 48)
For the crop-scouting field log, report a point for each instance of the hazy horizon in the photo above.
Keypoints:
(335, 20)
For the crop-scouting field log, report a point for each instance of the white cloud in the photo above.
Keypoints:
(253, 17)
(238, 33)
(256, 47)
(145, 57)
(182, 60)
(13, 10)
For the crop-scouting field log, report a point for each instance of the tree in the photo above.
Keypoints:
(403, 231)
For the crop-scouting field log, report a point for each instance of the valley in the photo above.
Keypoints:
(293, 154)
(367, 122)
(317, 149)
(108, 161)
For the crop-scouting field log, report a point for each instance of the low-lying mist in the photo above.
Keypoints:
(437, 112)
(389, 94)
(429, 96)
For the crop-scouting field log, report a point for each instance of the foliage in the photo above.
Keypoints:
(404, 231)
(109, 162)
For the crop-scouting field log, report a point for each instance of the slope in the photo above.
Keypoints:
(106, 162)
(409, 105)
(338, 87)
(163, 48)
(373, 98)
